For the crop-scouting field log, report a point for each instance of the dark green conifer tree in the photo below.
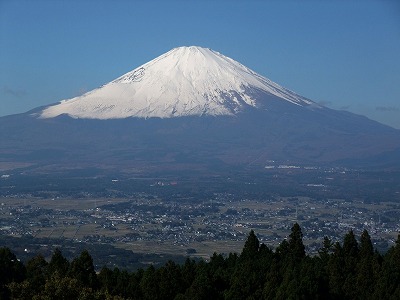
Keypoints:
(366, 276)
(336, 272)
(201, 288)
(220, 271)
(326, 250)
(170, 280)
(58, 263)
(273, 281)
(149, 284)
(248, 277)
(351, 252)
(11, 270)
(36, 273)
(105, 278)
(188, 273)
(388, 285)
(296, 247)
(82, 269)
(251, 247)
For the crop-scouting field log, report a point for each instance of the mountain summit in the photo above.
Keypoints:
(185, 81)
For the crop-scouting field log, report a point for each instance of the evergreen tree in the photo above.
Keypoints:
(388, 285)
(188, 271)
(170, 281)
(36, 273)
(220, 272)
(282, 251)
(201, 288)
(58, 263)
(251, 246)
(273, 280)
(61, 287)
(313, 283)
(351, 251)
(326, 249)
(296, 247)
(350, 245)
(82, 269)
(11, 270)
(289, 284)
(365, 280)
(19, 290)
(336, 272)
(366, 247)
(247, 280)
(105, 278)
(149, 284)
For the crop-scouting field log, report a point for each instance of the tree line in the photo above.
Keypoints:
(348, 270)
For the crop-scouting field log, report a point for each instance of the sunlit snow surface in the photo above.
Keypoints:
(186, 81)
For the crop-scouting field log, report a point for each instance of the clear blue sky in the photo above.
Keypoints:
(344, 54)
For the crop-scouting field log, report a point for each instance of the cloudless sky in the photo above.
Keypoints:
(343, 54)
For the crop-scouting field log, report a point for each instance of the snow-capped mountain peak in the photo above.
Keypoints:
(185, 81)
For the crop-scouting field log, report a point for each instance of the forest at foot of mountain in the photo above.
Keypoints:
(352, 269)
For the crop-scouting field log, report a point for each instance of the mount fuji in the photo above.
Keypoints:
(186, 81)
(191, 108)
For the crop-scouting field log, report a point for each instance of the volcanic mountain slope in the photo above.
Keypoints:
(186, 81)
(191, 108)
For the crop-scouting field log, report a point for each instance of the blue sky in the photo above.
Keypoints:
(343, 54)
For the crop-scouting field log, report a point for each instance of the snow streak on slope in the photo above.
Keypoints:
(185, 81)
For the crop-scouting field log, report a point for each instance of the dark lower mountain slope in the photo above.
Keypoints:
(192, 109)
(284, 133)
